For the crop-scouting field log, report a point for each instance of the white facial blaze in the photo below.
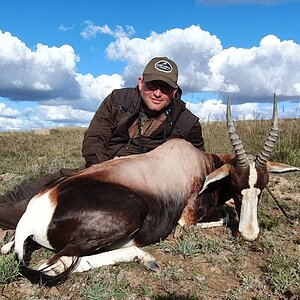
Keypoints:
(248, 225)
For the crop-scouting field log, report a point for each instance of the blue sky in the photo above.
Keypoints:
(60, 58)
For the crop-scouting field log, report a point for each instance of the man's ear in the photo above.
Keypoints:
(140, 83)
(175, 92)
(216, 175)
(277, 167)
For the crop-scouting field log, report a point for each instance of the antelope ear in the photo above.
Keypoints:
(216, 175)
(276, 167)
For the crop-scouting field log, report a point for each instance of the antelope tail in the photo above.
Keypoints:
(40, 278)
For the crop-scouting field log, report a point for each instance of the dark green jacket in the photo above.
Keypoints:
(107, 135)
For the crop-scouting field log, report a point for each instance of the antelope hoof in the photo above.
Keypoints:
(178, 233)
(153, 266)
(58, 267)
(187, 229)
(236, 234)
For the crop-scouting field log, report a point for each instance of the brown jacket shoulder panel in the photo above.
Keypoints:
(126, 98)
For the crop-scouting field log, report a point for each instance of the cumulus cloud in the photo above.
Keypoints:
(215, 110)
(65, 28)
(255, 73)
(91, 30)
(63, 114)
(191, 48)
(258, 72)
(49, 76)
(92, 91)
(8, 112)
(95, 89)
(47, 72)
(12, 119)
(12, 124)
(210, 110)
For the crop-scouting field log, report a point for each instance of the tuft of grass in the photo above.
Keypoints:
(173, 273)
(201, 280)
(184, 247)
(250, 286)
(190, 246)
(267, 222)
(282, 273)
(9, 268)
(102, 290)
(187, 247)
(265, 243)
(175, 296)
(211, 245)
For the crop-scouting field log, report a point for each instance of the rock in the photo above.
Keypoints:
(42, 131)
(54, 291)
(7, 177)
(2, 235)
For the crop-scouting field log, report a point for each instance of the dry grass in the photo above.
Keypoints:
(253, 135)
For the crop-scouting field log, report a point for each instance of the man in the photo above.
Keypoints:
(129, 121)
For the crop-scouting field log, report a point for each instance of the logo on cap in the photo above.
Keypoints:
(163, 66)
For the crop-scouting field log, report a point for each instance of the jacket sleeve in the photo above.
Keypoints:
(195, 136)
(97, 136)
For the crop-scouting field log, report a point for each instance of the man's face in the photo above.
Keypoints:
(156, 94)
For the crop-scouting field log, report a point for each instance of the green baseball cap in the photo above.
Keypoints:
(161, 68)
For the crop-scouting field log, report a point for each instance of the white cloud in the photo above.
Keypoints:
(210, 110)
(95, 89)
(258, 72)
(7, 111)
(92, 91)
(91, 30)
(63, 114)
(47, 72)
(48, 75)
(65, 28)
(191, 48)
(215, 110)
(269, 40)
(11, 124)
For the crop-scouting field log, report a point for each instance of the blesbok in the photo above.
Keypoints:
(104, 214)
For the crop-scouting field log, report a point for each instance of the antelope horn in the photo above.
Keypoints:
(269, 145)
(238, 147)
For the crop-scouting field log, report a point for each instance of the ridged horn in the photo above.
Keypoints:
(238, 147)
(269, 145)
